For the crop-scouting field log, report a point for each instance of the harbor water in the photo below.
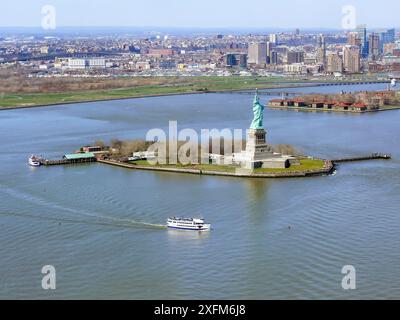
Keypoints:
(102, 227)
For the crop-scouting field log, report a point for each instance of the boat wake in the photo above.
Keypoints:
(95, 219)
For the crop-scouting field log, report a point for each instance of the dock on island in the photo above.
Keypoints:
(75, 158)
(373, 156)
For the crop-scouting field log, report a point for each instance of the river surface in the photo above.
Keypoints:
(101, 227)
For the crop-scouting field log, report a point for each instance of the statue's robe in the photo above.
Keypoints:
(258, 110)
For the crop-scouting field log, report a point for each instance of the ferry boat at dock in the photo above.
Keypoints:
(34, 161)
(188, 224)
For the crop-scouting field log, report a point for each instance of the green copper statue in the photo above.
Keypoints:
(258, 110)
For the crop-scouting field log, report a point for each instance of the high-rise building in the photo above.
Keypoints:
(334, 63)
(353, 39)
(257, 53)
(386, 36)
(362, 34)
(388, 48)
(390, 35)
(269, 50)
(230, 60)
(321, 50)
(236, 59)
(321, 56)
(295, 57)
(273, 38)
(351, 59)
(274, 57)
(321, 41)
(374, 47)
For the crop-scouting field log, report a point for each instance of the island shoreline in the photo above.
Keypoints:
(328, 168)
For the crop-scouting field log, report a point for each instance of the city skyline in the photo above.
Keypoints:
(207, 14)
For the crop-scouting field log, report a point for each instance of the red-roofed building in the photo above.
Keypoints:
(318, 104)
(360, 106)
(276, 103)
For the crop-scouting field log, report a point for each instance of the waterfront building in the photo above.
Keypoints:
(351, 59)
(257, 53)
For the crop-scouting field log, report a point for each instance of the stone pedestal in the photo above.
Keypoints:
(259, 154)
(256, 146)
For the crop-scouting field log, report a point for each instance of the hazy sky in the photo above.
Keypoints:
(201, 13)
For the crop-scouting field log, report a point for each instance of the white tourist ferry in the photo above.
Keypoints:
(188, 224)
(33, 161)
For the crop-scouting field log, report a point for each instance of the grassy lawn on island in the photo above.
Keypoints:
(209, 167)
(305, 165)
(168, 86)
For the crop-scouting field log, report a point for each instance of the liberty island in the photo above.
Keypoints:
(257, 160)
(181, 153)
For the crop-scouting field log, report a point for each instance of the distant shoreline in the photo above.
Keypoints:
(154, 95)
(101, 100)
(150, 96)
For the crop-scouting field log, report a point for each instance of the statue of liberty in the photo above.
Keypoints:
(258, 110)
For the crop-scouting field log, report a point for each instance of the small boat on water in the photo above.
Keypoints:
(34, 161)
(188, 224)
